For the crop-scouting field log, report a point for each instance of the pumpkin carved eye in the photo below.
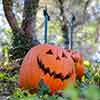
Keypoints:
(49, 52)
(63, 55)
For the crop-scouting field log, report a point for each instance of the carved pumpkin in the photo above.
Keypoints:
(49, 63)
(78, 61)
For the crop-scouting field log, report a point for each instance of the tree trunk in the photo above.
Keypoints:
(24, 36)
(29, 18)
(65, 24)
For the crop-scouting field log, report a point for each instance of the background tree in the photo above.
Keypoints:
(72, 17)
(22, 35)
(61, 13)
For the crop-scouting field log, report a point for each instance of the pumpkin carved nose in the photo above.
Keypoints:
(49, 52)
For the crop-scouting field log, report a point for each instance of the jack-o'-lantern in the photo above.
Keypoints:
(78, 62)
(49, 63)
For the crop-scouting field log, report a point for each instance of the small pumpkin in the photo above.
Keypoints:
(78, 62)
(49, 63)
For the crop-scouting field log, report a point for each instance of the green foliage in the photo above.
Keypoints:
(55, 27)
(86, 89)
(42, 89)
(87, 34)
(18, 94)
(6, 36)
(3, 76)
(87, 63)
(89, 28)
(6, 54)
(6, 76)
(20, 46)
(92, 93)
(71, 92)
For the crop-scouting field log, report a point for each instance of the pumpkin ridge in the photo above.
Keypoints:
(47, 70)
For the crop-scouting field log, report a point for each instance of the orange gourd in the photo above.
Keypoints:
(78, 62)
(49, 63)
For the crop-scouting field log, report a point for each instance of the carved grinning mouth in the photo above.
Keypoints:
(53, 73)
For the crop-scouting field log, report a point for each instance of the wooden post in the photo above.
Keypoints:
(46, 25)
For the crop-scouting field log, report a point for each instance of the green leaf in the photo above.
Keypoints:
(43, 88)
(71, 92)
(92, 93)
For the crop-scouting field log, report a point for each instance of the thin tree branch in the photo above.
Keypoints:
(8, 10)
(86, 5)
